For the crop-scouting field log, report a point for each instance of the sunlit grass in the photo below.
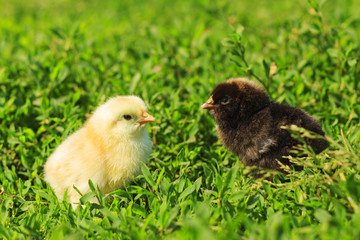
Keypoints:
(60, 59)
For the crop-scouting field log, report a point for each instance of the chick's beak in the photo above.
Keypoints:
(146, 118)
(209, 104)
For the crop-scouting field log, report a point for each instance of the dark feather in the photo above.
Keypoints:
(249, 124)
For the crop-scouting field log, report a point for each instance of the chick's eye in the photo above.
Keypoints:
(225, 100)
(127, 117)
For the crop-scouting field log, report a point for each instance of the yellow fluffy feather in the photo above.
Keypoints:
(108, 150)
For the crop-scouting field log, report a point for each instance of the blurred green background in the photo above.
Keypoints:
(60, 59)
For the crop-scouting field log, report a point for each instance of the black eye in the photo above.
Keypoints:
(127, 117)
(225, 100)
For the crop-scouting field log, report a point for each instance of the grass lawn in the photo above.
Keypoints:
(59, 59)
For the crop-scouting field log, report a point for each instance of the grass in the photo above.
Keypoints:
(60, 59)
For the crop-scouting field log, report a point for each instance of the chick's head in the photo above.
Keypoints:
(236, 99)
(121, 117)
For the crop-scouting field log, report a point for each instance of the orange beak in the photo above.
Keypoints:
(209, 104)
(146, 118)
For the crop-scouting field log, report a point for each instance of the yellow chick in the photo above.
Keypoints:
(108, 150)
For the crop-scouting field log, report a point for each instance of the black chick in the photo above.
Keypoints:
(249, 124)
